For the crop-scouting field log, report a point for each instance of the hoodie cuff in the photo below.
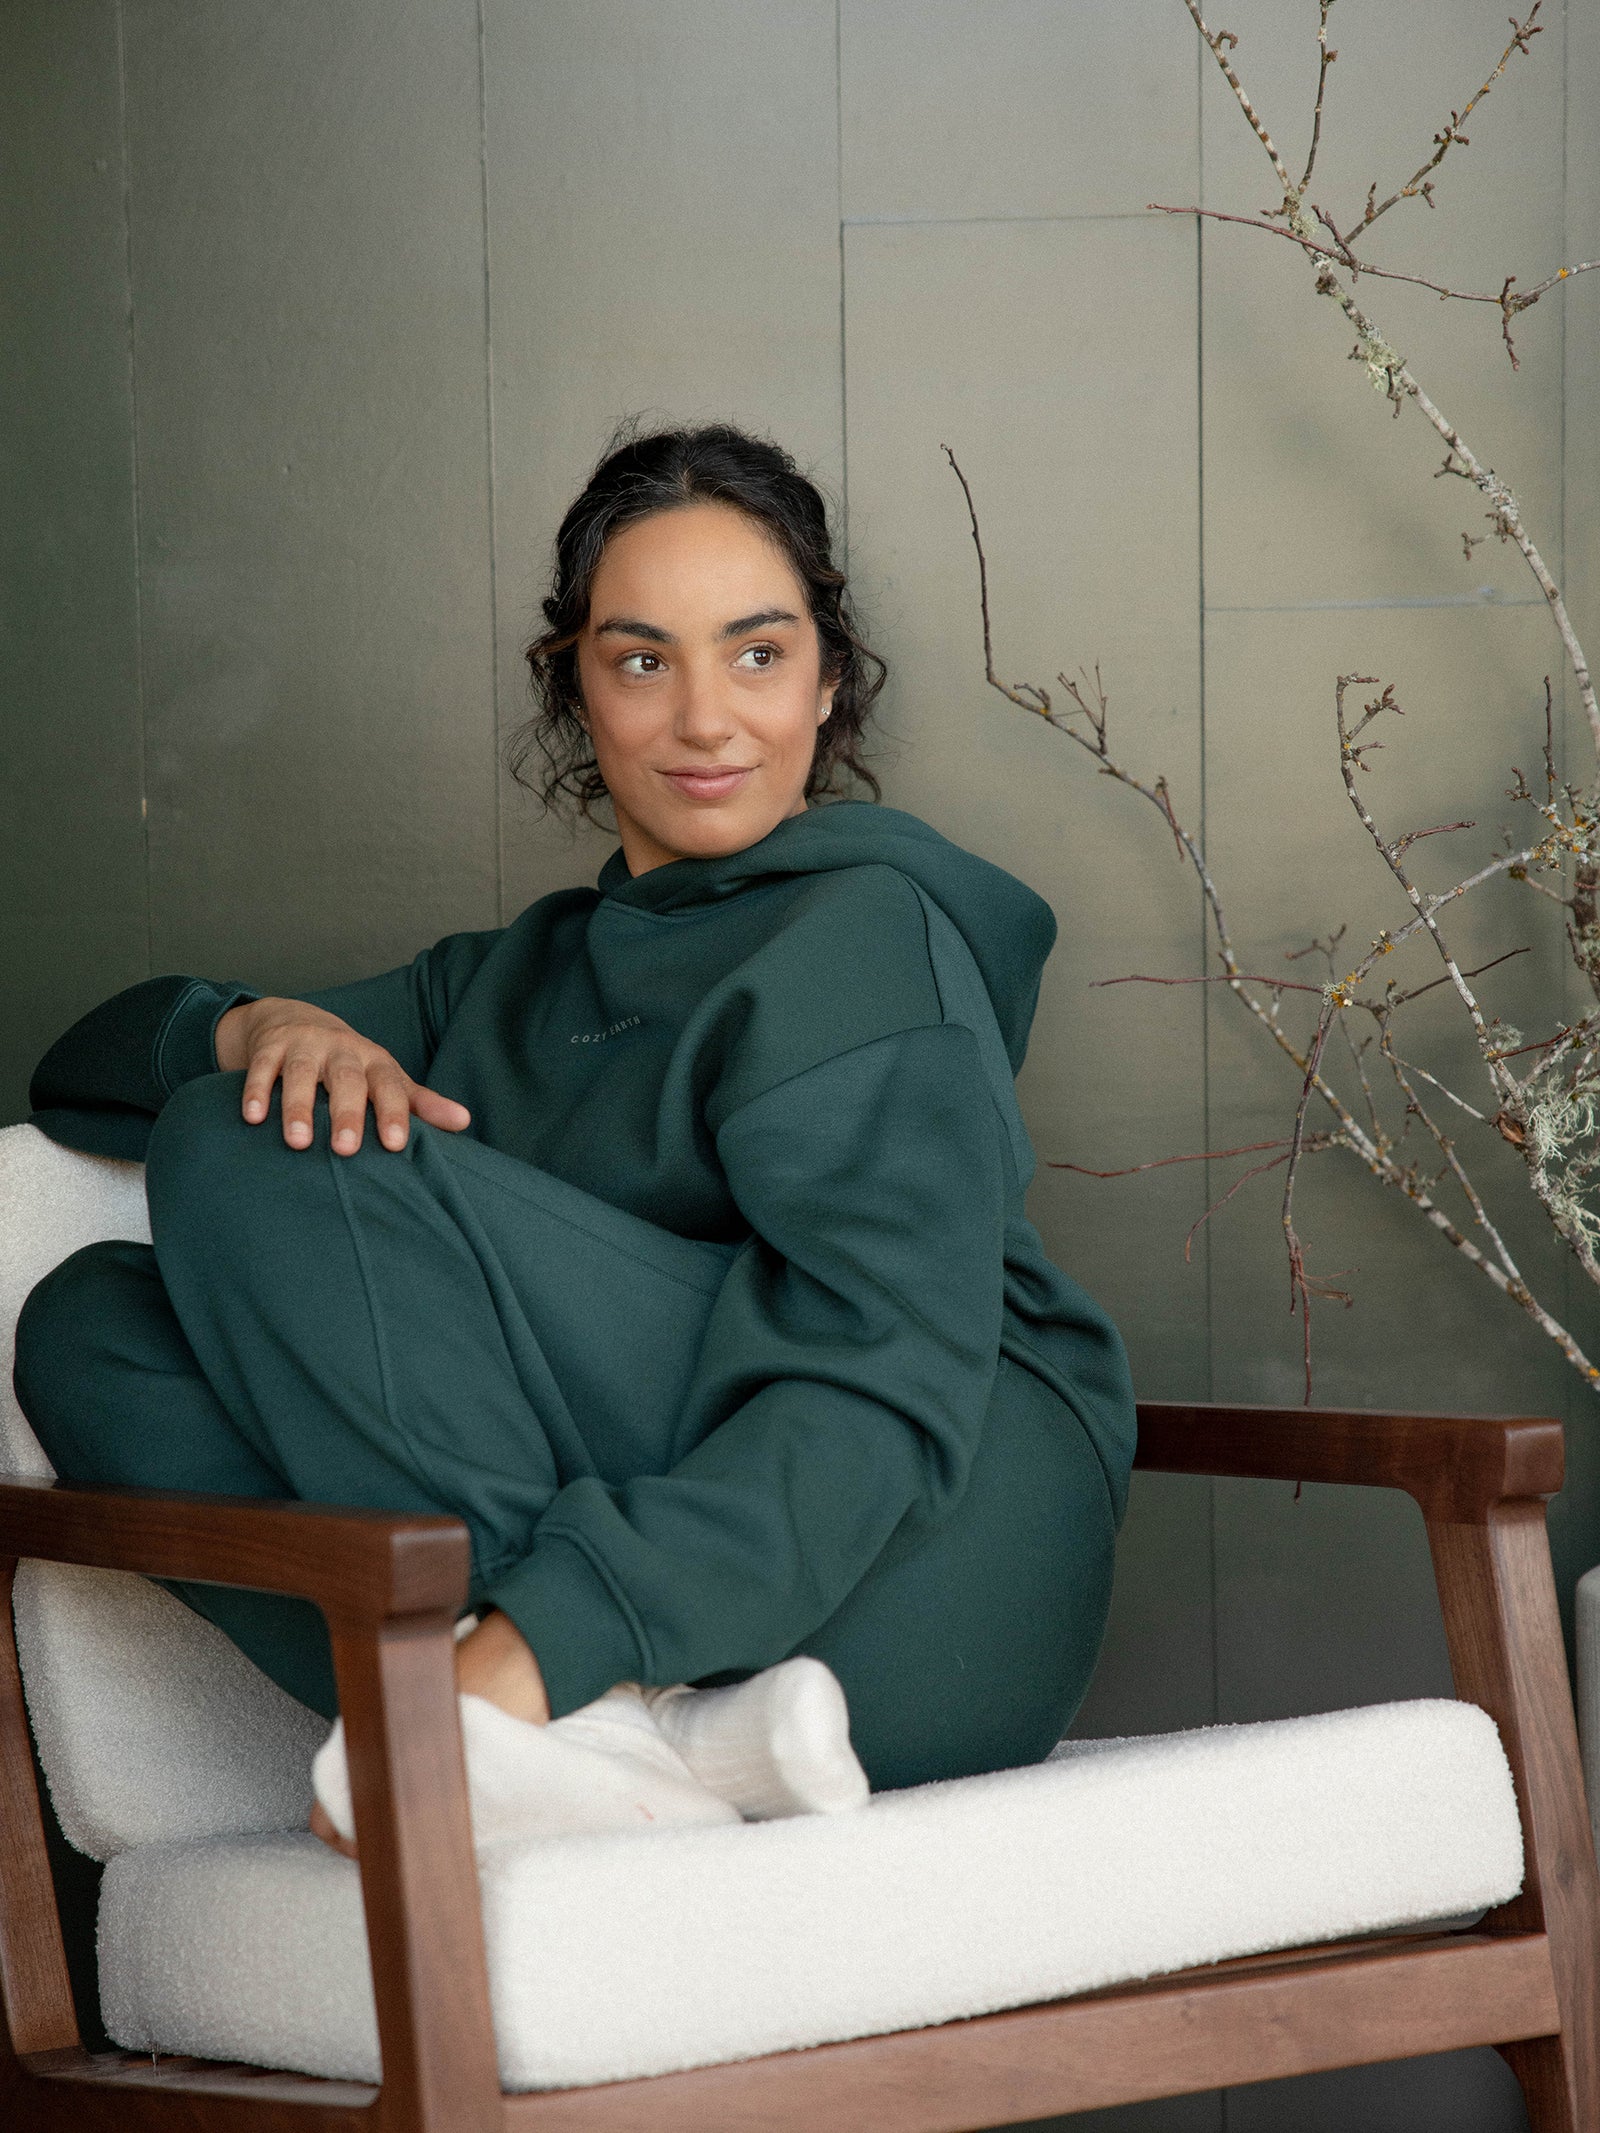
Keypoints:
(582, 1639)
(186, 1045)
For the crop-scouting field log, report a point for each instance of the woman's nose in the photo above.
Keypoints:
(704, 715)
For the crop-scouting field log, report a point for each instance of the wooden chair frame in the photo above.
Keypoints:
(1524, 1978)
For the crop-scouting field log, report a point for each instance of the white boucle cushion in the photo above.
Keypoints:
(150, 1724)
(612, 1957)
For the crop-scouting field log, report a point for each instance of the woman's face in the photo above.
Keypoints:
(700, 669)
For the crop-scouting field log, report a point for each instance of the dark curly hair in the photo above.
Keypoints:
(637, 476)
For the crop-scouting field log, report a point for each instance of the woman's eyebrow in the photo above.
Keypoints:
(627, 626)
(760, 621)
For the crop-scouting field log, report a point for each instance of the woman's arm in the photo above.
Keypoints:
(842, 1384)
(103, 1082)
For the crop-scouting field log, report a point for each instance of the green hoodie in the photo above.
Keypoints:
(807, 1046)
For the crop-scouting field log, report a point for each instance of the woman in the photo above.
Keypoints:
(685, 1258)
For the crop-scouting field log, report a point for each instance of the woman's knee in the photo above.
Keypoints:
(207, 1171)
(66, 1332)
(199, 1133)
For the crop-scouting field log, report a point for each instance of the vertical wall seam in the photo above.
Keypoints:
(490, 497)
(844, 388)
(1209, 1341)
(1566, 1263)
(1566, 116)
(133, 487)
(1209, 1344)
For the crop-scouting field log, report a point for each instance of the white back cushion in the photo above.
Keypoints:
(151, 1726)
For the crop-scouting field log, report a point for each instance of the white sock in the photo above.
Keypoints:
(601, 1769)
(777, 1744)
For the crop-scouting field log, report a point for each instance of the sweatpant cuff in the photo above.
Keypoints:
(576, 1631)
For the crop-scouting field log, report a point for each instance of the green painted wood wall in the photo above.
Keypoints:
(316, 312)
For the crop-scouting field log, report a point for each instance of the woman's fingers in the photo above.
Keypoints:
(258, 1081)
(437, 1110)
(345, 1078)
(301, 1073)
(391, 1101)
(306, 1049)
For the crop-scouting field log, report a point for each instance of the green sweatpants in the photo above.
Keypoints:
(452, 1330)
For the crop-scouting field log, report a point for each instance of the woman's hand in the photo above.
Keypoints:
(306, 1048)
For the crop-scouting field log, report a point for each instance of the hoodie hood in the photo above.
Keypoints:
(1008, 928)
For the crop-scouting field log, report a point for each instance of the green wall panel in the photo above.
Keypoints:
(307, 247)
(71, 828)
(664, 242)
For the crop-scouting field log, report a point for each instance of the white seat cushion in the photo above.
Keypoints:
(619, 1956)
(150, 1725)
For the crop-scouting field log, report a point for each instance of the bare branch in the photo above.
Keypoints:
(1338, 248)
(1450, 135)
(1221, 977)
(1422, 1073)
(1453, 1163)
(1221, 42)
(1402, 999)
(1204, 1155)
(1256, 1170)
(1300, 1283)
(1031, 700)
(1326, 60)
(1391, 855)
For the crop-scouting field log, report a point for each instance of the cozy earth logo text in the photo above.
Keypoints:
(599, 1036)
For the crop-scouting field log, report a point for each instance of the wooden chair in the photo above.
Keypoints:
(1526, 1978)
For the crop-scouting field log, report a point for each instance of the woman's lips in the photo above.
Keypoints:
(709, 784)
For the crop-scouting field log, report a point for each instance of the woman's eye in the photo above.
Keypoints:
(642, 663)
(757, 655)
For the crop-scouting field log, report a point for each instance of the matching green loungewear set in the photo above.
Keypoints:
(722, 1326)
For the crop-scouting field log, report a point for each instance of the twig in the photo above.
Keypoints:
(1403, 999)
(1450, 135)
(1460, 1101)
(1327, 59)
(1256, 1170)
(1221, 977)
(1203, 1155)
(1446, 1148)
(1300, 1283)
(1505, 302)
(1391, 852)
(1220, 43)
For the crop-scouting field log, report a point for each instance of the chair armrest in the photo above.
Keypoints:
(1456, 1466)
(391, 1588)
(360, 1567)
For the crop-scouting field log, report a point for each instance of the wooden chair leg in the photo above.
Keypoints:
(419, 1879)
(1549, 2078)
(1506, 1652)
(36, 2011)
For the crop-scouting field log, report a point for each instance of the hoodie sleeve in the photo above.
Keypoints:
(842, 1385)
(103, 1082)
